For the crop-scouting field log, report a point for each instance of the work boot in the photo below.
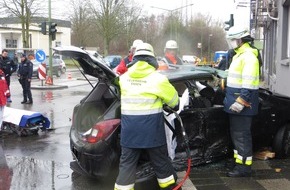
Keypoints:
(29, 102)
(230, 164)
(24, 101)
(240, 171)
(9, 100)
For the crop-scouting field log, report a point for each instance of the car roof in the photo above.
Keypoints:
(190, 72)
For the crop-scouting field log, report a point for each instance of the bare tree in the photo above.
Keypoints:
(81, 23)
(24, 10)
(113, 18)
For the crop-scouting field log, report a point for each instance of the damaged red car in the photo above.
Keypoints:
(95, 130)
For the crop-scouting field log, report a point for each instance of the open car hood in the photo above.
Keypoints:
(91, 65)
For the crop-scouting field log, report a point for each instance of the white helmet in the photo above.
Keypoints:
(136, 43)
(171, 44)
(237, 33)
(144, 49)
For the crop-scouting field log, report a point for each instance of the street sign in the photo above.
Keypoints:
(40, 56)
(42, 71)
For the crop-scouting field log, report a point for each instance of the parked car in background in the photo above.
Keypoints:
(95, 130)
(98, 56)
(35, 68)
(189, 59)
(113, 60)
(62, 64)
(56, 66)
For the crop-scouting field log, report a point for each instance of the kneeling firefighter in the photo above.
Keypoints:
(144, 91)
(241, 101)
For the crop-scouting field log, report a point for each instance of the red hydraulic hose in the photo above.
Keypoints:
(186, 175)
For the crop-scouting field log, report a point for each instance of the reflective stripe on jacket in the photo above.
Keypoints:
(243, 80)
(143, 93)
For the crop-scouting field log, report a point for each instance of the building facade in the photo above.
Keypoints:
(270, 20)
(11, 35)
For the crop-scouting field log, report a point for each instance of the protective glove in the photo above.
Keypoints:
(236, 107)
(7, 93)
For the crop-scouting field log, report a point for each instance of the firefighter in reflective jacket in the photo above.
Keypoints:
(143, 93)
(241, 101)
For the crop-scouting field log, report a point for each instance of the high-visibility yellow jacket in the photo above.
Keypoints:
(143, 93)
(243, 80)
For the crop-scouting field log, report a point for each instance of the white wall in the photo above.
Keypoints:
(39, 41)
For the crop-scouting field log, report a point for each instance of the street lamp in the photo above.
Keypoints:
(171, 11)
(209, 56)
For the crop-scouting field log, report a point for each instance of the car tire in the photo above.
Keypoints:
(63, 70)
(281, 143)
(58, 73)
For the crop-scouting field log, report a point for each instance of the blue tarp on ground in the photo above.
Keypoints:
(23, 117)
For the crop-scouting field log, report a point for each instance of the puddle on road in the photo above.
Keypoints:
(29, 173)
(48, 96)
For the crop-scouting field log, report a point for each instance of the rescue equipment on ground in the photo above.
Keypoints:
(24, 122)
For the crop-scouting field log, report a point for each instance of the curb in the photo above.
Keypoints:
(49, 87)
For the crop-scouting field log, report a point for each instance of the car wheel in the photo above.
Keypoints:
(63, 70)
(281, 144)
(58, 73)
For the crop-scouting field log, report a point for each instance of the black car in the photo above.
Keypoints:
(56, 66)
(95, 130)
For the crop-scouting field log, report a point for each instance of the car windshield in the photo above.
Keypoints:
(95, 107)
(109, 58)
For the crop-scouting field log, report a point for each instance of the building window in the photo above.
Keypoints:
(57, 44)
(288, 33)
(10, 43)
(285, 30)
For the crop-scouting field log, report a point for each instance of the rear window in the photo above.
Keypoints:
(102, 103)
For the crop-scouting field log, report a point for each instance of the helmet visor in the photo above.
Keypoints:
(233, 43)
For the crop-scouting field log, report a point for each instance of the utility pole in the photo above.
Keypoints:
(50, 43)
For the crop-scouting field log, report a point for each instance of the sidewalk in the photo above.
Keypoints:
(60, 83)
(264, 177)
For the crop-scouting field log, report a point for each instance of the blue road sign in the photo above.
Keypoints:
(40, 55)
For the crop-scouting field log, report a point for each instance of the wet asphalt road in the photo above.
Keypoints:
(41, 162)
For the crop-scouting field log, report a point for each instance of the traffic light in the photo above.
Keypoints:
(230, 22)
(43, 28)
(52, 30)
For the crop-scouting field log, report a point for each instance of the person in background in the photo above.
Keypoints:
(171, 50)
(222, 64)
(4, 93)
(242, 98)
(8, 66)
(122, 67)
(143, 93)
(31, 56)
(25, 74)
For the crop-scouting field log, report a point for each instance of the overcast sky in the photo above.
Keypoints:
(219, 9)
